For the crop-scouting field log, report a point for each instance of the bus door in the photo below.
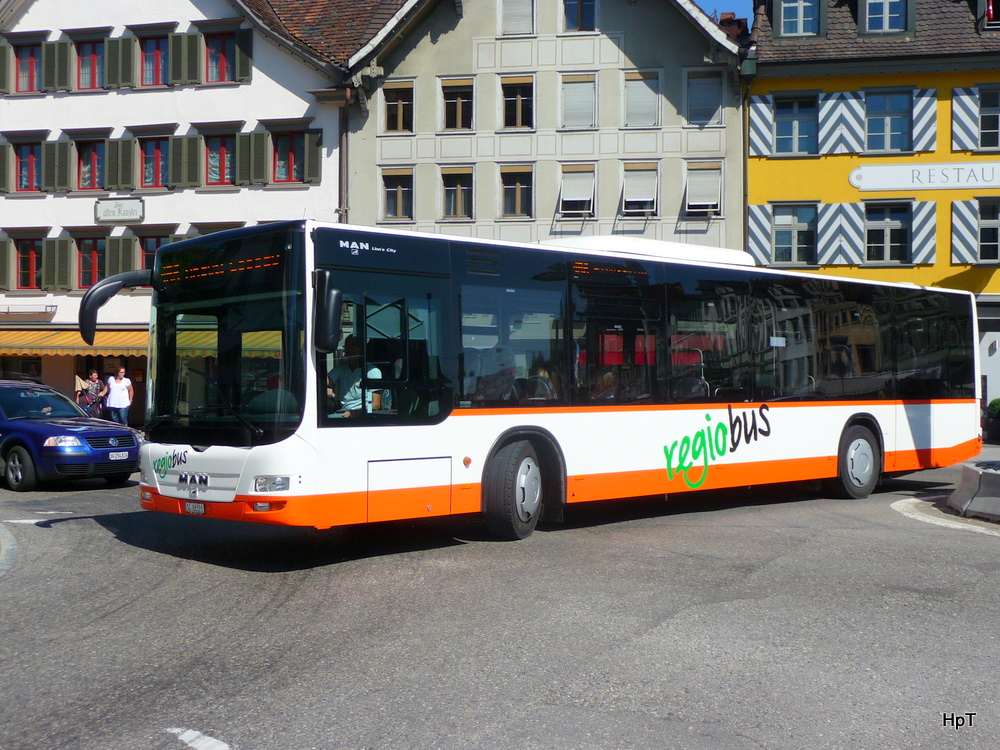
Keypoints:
(391, 371)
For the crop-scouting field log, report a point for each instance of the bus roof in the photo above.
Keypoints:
(643, 246)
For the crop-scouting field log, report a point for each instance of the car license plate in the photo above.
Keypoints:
(118, 455)
(195, 509)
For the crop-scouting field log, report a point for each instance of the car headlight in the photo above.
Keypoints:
(63, 441)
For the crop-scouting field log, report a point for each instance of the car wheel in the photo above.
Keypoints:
(20, 470)
(859, 463)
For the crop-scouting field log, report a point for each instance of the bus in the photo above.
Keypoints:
(312, 374)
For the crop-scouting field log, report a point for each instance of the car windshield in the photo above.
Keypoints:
(37, 404)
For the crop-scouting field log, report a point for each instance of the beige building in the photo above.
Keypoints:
(525, 120)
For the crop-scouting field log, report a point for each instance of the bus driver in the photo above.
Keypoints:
(345, 381)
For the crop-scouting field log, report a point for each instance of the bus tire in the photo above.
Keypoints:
(512, 491)
(859, 462)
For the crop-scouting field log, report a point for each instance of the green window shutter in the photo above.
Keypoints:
(185, 64)
(243, 158)
(185, 161)
(56, 157)
(119, 172)
(127, 59)
(56, 264)
(244, 55)
(6, 250)
(112, 63)
(121, 255)
(313, 168)
(176, 238)
(6, 167)
(6, 52)
(259, 163)
(56, 57)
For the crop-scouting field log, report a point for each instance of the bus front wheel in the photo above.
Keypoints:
(512, 491)
(859, 462)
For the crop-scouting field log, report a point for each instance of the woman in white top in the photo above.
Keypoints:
(119, 396)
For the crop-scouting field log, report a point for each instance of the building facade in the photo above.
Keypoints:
(121, 128)
(526, 120)
(874, 145)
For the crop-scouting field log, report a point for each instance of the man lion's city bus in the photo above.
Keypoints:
(512, 380)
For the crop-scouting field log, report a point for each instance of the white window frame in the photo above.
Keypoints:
(578, 180)
(703, 188)
(579, 84)
(885, 226)
(798, 228)
(444, 84)
(640, 184)
(796, 119)
(882, 6)
(642, 99)
(800, 7)
(991, 224)
(397, 172)
(690, 96)
(530, 209)
(455, 170)
(992, 112)
(887, 117)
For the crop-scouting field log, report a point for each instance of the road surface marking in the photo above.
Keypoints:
(197, 740)
(912, 507)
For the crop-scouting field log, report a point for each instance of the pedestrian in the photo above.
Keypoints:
(91, 395)
(119, 396)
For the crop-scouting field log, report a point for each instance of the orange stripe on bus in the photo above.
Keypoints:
(347, 508)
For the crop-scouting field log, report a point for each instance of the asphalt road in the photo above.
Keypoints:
(765, 618)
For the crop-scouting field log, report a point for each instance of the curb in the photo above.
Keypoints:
(8, 550)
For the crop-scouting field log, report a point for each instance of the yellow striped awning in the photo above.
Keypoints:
(106, 343)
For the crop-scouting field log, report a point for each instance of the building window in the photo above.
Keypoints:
(795, 234)
(887, 232)
(457, 192)
(220, 57)
(220, 160)
(888, 121)
(704, 188)
(581, 15)
(516, 182)
(518, 102)
(289, 157)
(517, 17)
(579, 100)
(989, 230)
(148, 245)
(28, 163)
(886, 15)
(155, 154)
(28, 67)
(457, 104)
(577, 197)
(397, 185)
(989, 118)
(153, 51)
(704, 97)
(90, 165)
(399, 108)
(29, 263)
(641, 180)
(799, 17)
(642, 98)
(89, 65)
(795, 126)
(91, 253)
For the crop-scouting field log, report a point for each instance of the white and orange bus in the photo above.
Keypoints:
(511, 380)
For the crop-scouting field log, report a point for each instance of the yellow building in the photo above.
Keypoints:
(874, 145)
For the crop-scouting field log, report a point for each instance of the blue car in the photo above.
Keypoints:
(45, 437)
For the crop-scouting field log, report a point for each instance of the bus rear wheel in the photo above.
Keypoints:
(512, 491)
(859, 463)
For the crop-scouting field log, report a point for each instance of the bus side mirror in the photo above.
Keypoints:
(326, 312)
(101, 292)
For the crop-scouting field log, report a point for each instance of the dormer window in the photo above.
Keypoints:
(886, 16)
(799, 17)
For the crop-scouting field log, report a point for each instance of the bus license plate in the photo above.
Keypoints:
(195, 509)
(118, 455)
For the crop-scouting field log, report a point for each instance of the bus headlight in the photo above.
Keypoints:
(270, 484)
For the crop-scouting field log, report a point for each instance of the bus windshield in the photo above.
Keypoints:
(227, 355)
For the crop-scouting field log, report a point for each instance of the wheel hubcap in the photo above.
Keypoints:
(528, 489)
(860, 462)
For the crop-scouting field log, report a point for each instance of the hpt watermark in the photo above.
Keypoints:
(958, 721)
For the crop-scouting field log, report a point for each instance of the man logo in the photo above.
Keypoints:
(355, 247)
(191, 479)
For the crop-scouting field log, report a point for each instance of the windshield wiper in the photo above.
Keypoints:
(254, 429)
